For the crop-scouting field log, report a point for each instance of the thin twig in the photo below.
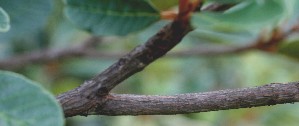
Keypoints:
(86, 50)
(44, 56)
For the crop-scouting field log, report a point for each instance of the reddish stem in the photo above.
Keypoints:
(186, 7)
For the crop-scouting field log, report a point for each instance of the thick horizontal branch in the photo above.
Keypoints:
(121, 104)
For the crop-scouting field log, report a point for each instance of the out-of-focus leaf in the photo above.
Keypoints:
(291, 7)
(164, 4)
(240, 24)
(290, 49)
(4, 21)
(292, 15)
(280, 115)
(24, 103)
(111, 17)
(248, 15)
(84, 68)
(65, 85)
(214, 36)
(27, 17)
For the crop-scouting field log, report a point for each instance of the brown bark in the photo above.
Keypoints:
(93, 97)
(266, 95)
(125, 104)
(93, 92)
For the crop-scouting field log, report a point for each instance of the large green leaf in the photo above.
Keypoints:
(248, 15)
(4, 21)
(240, 24)
(27, 18)
(111, 17)
(24, 103)
(292, 15)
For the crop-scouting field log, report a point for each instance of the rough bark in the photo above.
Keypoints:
(93, 97)
(266, 95)
(93, 92)
(125, 104)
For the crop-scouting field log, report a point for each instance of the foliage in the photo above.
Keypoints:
(4, 21)
(36, 13)
(128, 23)
(24, 103)
(111, 17)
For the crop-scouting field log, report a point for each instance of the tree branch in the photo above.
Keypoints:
(82, 99)
(87, 50)
(93, 97)
(122, 104)
(45, 56)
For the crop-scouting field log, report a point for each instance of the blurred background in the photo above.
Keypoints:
(33, 30)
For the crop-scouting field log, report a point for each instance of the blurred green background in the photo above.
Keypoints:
(48, 28)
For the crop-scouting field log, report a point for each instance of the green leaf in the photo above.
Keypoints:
(111, 17)
(292, 15)
(24, 103)
(4, 21)
(27, 18)
(290, 48)
(213, 36)
(248, 15)
(164, 4)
